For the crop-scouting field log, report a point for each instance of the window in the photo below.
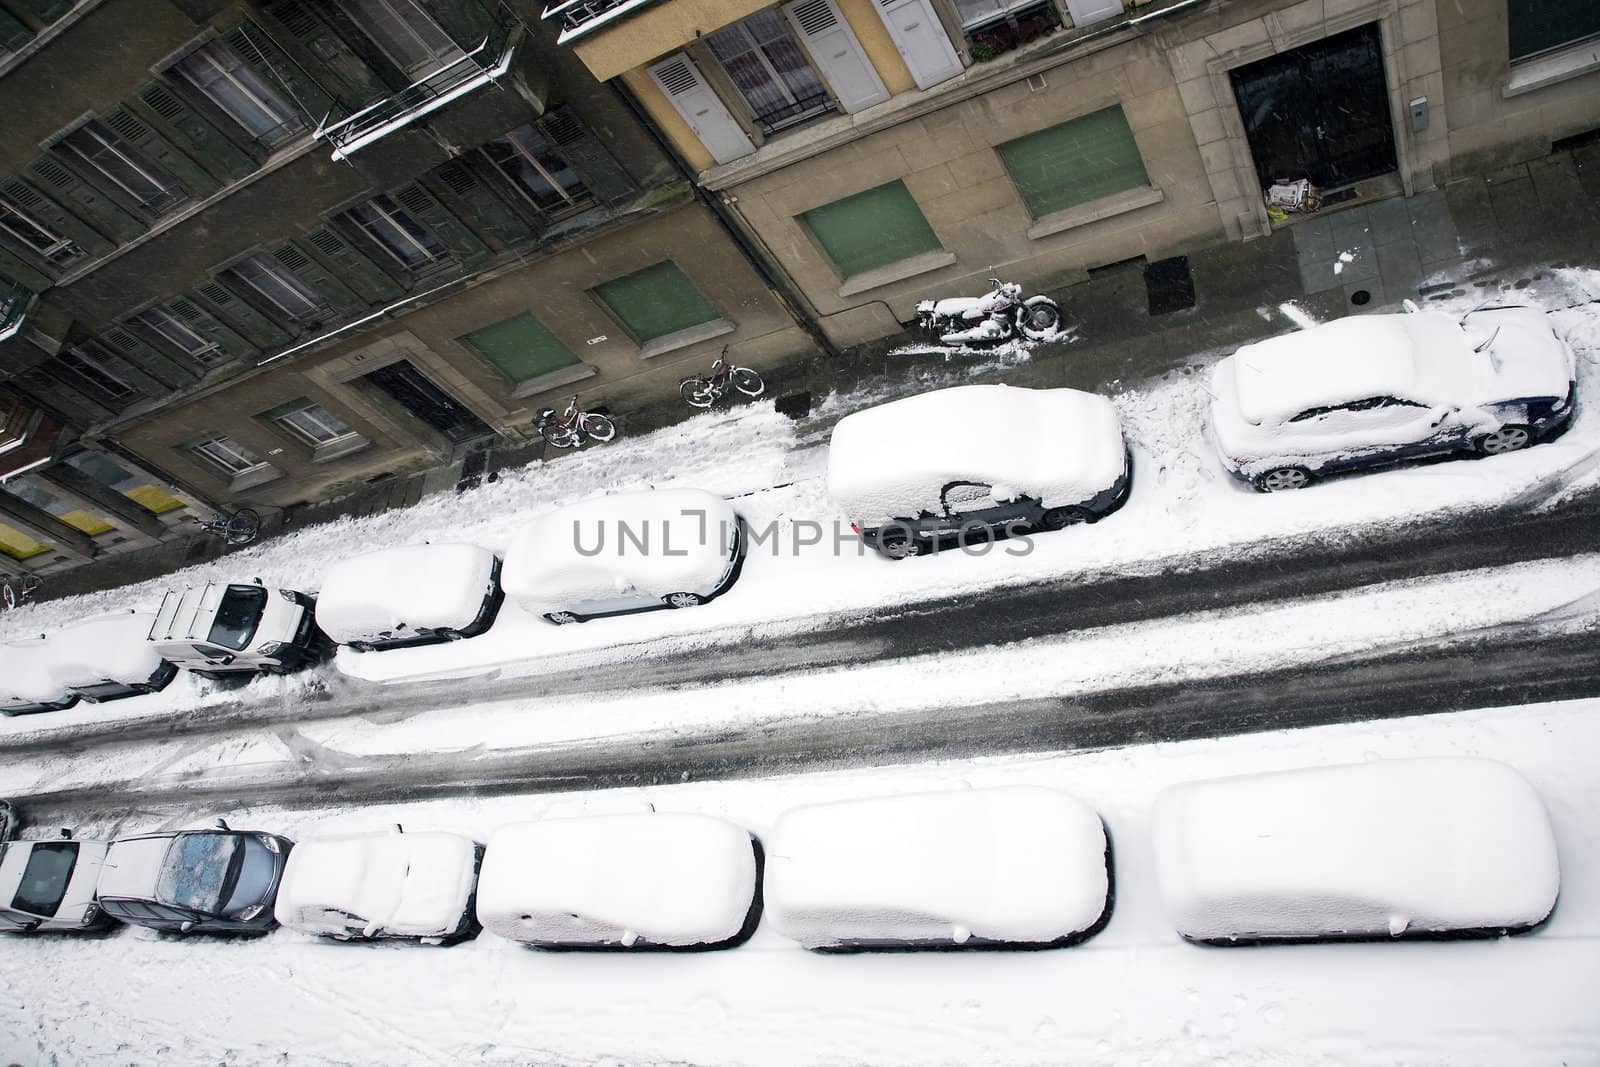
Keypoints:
(655, 301)
(226, 454)
(1076, 162)
(40, 495)
(35, 235)
(88, 361)
(311, 423)
(1544, 25)
(868, 230)
(242, 93)
(113, 475)
(396, 232)
(97, 147)
(44, 879)
(770, 71)
(238, 616)
(166, 331)
(521, 348)
(18, 545)
(282, 291)
(406, 33)
(537, 170)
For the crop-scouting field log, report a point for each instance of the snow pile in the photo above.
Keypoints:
(1062, 446)
(648, 545)
(1384, 848)
(1014, 864)
(413, 588)
(25, 675)
(626, 879)
(108, 648)
(395, 884)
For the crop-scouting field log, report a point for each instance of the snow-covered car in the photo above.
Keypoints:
(26, 685)
(1378, 389)
(107, 657)
(412, 595)
(635, 880)
(1390, 848)
(628, 552)
(217, 629)
(211, 881)
(1020, 865)
(50, 885)
(381, 885)
(975, 461)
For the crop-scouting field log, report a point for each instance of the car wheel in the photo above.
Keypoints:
(560, 618)
(1282, 479)
(1505, 439)
(684, 600)
(1060, 518)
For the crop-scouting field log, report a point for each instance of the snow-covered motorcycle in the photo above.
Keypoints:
(995, 317)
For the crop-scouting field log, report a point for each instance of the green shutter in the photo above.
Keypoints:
(48, 10)
(486, 207)
(311, 27)
(360, 273)
(870, 229)
(451, 231)
(79, 196)
(597, 167)
(47, 211)
(166, 104)
(158, 365)
(13, 34)
(521, 347)
(334, 292)
(15, 269)
(162, 152)
(233, 310)
(256, 48)
(465, 21)
(1075, 162)
(211, 328)
(655, 301)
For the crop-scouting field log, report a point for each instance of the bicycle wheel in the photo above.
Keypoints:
(242, 527)
(697, 393)
(599, 427)
(9, 596)
(748, 382)
(559, 436)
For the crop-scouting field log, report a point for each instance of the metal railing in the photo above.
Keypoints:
(777, 118)
(573, 15)
(14, 304)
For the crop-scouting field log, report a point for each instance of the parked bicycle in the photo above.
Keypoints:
(573, 427)
(725, 377)
(239, 528)
(19, 589)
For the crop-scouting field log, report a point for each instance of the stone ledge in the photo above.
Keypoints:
(1571, 62)
(339, 448)
(253, 477)
(684, 338)
(553, 380)
(898, 271)
(1095, 210)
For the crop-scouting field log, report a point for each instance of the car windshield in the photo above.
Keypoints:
(200, 871)
(238, 616)
(44, 880)
(255, 877)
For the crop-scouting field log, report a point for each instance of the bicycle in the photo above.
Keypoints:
(573, 427)
(725, 377)
(19, 589)
(239, 528)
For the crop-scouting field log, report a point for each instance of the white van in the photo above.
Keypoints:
(108, 657)
(217, 629)
(412, 595)
(50, 885)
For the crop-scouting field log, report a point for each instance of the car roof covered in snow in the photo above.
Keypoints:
(894, 460)
(1015, 863)
(25, 676)
(1371, 849)
(404, 882)
(661, 877)
(133, 866)
(104, 648)
(420, 586)
(654, 543)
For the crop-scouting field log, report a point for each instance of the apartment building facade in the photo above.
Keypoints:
(262, 252)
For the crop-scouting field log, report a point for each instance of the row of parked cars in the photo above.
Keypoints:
(1378, 850)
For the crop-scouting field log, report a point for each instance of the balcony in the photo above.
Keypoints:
(482, 65)
(15, 303)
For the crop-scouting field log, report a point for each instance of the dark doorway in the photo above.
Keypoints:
(419, 396)
(1320, 111)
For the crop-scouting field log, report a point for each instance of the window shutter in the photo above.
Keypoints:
(1084, 12)
(15, 270)
(597, 167)
(13, 34)
(341, 48)
(921, 41)
(168, 106)
(210, 327)
(836, 52)
(47, 211)
(105, 214)
(48, 10)
(486, 206)
(341, 81)
(335, 293)
(117, 363)
(250, 323)
(700, 107)
(466, 21)
(83, 409)
(451, 231)
(362, 275)
(168, 372)
(162, 152)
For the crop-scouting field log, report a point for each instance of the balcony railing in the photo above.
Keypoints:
(581, 16)
(15, 303)
(481, 66)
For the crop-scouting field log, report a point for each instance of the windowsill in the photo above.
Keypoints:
(671, 342)
(553, 380)
(1095, 210)
(253, 477)
(1571, 62)
(46, 35)
(339, 448)
(898, 271)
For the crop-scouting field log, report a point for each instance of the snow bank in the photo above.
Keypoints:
(629, 879)
(25, 675)
(398, 884)
(109, 648)
(1384, 848)
(411, 589)
(893, 461)
(648, 544)
(1014, 864)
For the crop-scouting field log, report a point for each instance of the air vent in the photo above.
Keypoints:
(457, 178)
(563, 128)
(292, 257)
(325, 241)
(295, 18)
(122, 339)
(676, 77)
(18, 193)
(814, 17)
(216, 293)
(239, 42)
(414, 198)
(162, 102)
(184, 310)
(123, 122)
(53, 172)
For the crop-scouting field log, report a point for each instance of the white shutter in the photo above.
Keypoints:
(701, 109)
(1084, 12)
(837, 53)
(921, 40)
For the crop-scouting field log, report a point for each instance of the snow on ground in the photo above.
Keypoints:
(1134, 994)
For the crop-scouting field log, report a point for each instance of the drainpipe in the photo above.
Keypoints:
(770, 273)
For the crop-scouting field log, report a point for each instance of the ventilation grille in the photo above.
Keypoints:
(292, 257)
(677, 77)
(814, 17)
(295, 18)
(326, 241)
(457, 178)
(238, 40)
(414, 198)
(162, 102)
(563, 127)
(122, 339)
(54, 173)
(184, 310)
(18, 193)
(123, 122)
(216, 293)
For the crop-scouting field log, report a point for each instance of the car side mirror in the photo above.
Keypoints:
(185, 926)
(256, 580)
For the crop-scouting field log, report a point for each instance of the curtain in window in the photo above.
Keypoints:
(766, 64)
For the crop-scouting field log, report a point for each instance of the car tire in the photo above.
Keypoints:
(1508, 438)
(683, 600)
(561, 618)
(1282, 479)
(1061, 518)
